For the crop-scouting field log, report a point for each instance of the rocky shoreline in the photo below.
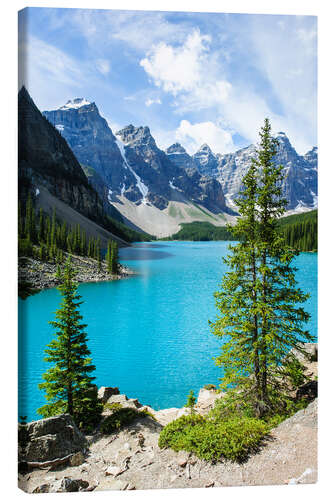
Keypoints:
(59, 458)
(41, 275)
(131, 458)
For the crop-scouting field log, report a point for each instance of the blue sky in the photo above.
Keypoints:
(191, 77)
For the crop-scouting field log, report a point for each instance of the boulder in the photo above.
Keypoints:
(51, 438)
(77, 459)
(68, 484)
(104, 393)
(118, 398)
(207, 397)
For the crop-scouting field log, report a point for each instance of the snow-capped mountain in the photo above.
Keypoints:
(300, 172)
(46, 161)
(135, 172)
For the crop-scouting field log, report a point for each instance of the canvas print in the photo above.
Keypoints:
(167, 243)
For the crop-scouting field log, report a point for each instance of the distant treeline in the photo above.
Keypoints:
(201, 231)
(46, 238)
(300, 231)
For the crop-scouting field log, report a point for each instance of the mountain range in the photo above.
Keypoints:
(125, 175)
(136, 177)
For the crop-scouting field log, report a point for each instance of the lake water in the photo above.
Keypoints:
(148, 334)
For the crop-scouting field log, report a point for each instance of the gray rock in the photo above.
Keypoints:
(52, 438)
(69, 485)
(104, 393)
(118, 398)
(77, 459)
(113, 470)
(43, 488)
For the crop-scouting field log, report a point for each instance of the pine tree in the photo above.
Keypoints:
(20, 222)
(108, 258)
(114, 258)
(29, 218)
(41, 226)
(99, 259)
(68, 382)
(260, 314)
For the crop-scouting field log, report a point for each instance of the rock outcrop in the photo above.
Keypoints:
(50, 439)
(45, 159)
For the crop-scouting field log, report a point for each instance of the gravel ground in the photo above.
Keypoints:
(132, 459)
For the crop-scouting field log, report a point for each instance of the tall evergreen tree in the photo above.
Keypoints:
(20, 226)
(68, 382)
(260, 314)
(29, 218)
(114, 258)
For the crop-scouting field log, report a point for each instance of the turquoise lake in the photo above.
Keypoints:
(148, 334)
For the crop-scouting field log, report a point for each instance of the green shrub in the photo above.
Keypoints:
(210, 440)
(294, 371)
(232, 404)
(120, 418)
(112, 406)
(147, 413)
(87, 410)
(210, 387)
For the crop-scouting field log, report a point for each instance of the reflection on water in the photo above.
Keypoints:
(143, 252)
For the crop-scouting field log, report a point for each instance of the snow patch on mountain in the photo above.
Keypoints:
(59, 127)
(76, 103)
(171, 184)
(140, 185)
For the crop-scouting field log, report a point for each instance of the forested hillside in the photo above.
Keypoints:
(300, 231)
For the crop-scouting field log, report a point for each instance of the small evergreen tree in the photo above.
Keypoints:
(68, 382)
(191, 400)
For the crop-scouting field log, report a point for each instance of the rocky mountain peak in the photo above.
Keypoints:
(205, 160)
(75, 103)
(136, 136)
(282, 138)
(205, 147)
(176, 148)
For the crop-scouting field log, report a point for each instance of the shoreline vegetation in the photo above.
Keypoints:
(299, 231)
(35, 275)
(45, 243)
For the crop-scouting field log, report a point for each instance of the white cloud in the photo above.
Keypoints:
(192, 136)
(103, 66)
(187, 72)
(149, 101)
(176, 69)
(284, 88)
